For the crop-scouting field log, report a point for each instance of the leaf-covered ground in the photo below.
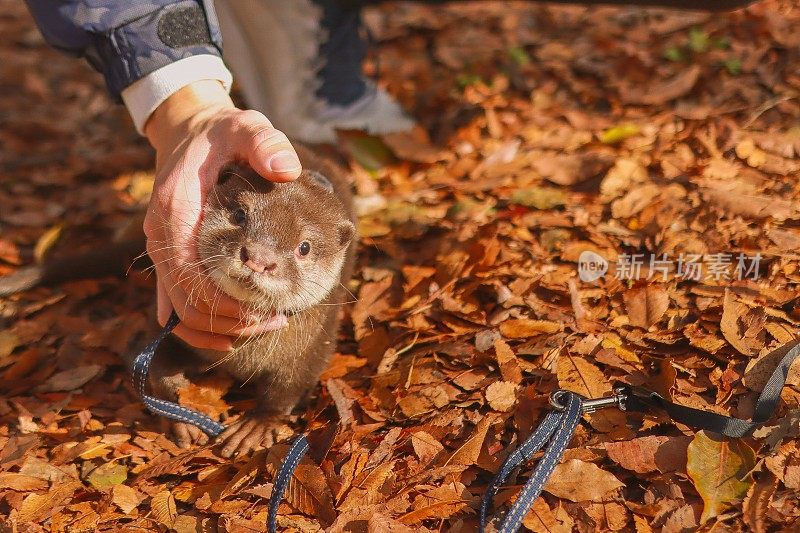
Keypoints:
(554, 130)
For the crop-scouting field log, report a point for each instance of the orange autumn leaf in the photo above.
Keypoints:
(720, 470)
(521, 328)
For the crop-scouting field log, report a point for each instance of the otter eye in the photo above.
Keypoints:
(239, 217)
(304, 248)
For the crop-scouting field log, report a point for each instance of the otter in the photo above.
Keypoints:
(280, 248)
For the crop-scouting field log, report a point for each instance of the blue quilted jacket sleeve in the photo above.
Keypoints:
(128, 39)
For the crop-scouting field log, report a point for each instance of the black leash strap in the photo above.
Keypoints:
(141, 367)
(640, 399)
(559, 424)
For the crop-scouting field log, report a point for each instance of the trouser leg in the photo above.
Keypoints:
(300, 63)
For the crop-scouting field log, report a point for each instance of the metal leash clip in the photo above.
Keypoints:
(591, 405)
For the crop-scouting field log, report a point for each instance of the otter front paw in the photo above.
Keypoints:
(250, 433)
(184, 435)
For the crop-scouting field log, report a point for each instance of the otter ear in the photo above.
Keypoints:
(346, 232)
(320, 180)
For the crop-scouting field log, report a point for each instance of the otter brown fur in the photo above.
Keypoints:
(280, 248)
(252, 241)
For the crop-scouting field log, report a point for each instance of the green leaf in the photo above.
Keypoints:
(468, 207)
(539, 197)
(107, 475)
(369, 151)
(698, 40)
(552, 239)
(733, 65)
(465, 80)
(721, 43)
(674, 53)
(519, 55)
(720, 471)
(618, 133)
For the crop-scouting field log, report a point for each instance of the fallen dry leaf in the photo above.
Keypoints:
(646, 305)
(206, 396)
(36, 507)
(739, 198)
(21, 482)
(468, 453)
(8, 342)
(650, 454)
(425, 446)
(70, 379)
(756, 503)
(542, 519)
(46, 242)
(570, 169)
(522, 328)
(743, 337)
(662, 91)
(579, 481)
(720, 471)
(545, 131)
(501, 395)
(309, 493)
(125, 497)
(164, 509)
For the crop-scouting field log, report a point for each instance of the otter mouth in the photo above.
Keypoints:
(266, 294)
(269, 296)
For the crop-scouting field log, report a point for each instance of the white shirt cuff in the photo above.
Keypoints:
(144, 95)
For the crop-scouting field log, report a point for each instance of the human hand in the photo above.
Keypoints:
(196, 132)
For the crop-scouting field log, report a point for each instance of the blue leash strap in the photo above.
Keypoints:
(559, 424)
(296, 452)
(141, 366)
(553, 453)
(524, 453)
(555, 430)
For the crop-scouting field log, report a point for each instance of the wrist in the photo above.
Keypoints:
(180, 113)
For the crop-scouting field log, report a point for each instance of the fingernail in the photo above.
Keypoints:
(284, 161)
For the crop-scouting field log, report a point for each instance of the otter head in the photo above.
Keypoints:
(278, 246)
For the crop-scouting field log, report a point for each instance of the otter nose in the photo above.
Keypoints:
(259, 261)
